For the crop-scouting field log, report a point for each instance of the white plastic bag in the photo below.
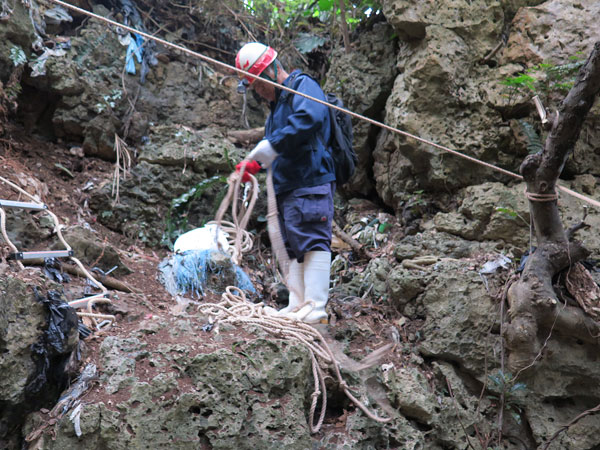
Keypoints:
(207, 237)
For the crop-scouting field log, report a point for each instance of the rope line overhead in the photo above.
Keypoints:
(344, 110)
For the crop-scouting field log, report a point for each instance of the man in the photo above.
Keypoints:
(296, 148)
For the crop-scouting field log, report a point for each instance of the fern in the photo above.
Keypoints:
(176, 221)
(534, 143)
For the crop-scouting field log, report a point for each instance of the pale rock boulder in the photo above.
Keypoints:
(553, 31)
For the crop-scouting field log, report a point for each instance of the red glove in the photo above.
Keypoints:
(252, 167)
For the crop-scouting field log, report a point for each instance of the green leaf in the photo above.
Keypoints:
(507, 211)
(515, 415)
(383, 227)
(521, 81)
(325, 5)
(518, 387)
(64, 169)
(17, 56)
(306, 43)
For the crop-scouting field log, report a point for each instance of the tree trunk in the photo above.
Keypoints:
(534, 305)
(344, 26)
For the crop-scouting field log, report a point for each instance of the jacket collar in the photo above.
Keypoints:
(281, 94)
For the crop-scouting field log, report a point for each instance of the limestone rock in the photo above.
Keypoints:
(477, 22)
(432, 242)
(459, 313)
(537, 30)
(16, 31)
(89, 249)
(490, 211)
(92, 101)
(21, 319)
(445, 95)
(206, 151)
(251, 394)
(363, 80)
(146, 195)
(413, 395)
(499, 213)
(438, 82)
(24, 231)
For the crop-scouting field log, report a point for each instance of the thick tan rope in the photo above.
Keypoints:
(235, 309)
(241, 241)
(98, 319)
(347, 111)
(274, 229)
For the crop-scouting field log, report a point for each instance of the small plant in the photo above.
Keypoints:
(294, 16)
(534, 142)
(176, 221)
(503, 391)
(17, 56)
(13, 88)
(511, 213)
(545, 79)
(110, 101)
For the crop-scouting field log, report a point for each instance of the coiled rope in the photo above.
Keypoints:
(235, 309)
(241, 242)
(347, 111)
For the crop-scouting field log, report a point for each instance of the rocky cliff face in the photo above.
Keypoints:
(435, 70)
(449, 92)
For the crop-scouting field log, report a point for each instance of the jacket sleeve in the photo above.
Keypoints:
(306, 120)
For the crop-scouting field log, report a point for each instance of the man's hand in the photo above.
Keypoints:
(264, 153)
(252, 167)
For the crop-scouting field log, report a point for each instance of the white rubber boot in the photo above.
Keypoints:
(295, 284)
(316, 288)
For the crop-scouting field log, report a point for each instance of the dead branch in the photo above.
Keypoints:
(109, 282)
(246, 137)
(541, 170)
(593, 410)
(344, 26)
(458, 415)
(491, 54)
(356, 246)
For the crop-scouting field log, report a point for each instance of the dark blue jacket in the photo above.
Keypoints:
(299, 130)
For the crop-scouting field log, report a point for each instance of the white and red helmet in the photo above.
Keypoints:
(254, 58)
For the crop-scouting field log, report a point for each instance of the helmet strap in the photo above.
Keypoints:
(264, 75)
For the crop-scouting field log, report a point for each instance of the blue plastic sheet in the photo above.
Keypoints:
(134, 49)
(187, 273)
